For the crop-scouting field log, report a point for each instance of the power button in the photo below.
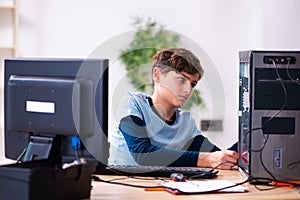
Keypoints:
(277, 158)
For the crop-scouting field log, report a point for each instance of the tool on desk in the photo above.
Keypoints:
(291, 184)
(178, 177)
(286, 183)
(155, 189)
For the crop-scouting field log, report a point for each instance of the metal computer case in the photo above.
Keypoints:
(269, 114)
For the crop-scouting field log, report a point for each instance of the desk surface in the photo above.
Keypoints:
(109, 191)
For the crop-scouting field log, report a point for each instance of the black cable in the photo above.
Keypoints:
(292, 165)
(266, 136)
(96, 178)
(268, 181)
(249, 179)
(147, 178)
(272, 117)
(112, 181)
(289, 75)
(264, 166)
(244, 140)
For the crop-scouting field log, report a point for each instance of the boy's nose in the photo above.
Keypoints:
(187, 87)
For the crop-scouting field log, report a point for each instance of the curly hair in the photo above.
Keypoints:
(179, 59)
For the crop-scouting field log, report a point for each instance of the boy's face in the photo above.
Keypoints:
(174, 87)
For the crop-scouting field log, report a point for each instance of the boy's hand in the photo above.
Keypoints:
(228, 159)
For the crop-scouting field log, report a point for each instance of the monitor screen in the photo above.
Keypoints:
(49, 102)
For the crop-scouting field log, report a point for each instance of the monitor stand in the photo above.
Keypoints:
(38, 148)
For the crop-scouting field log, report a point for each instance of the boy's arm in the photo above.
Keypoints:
(234, 147)
(201, 144)
(144, 153)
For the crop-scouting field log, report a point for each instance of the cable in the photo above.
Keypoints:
(289, 75)
(292, 165)
(272, 117)
(259, 179)
(76, 145)
(112, 181)
(96, 178)
(264, 166)
(21, 155)
(244, 140)
(211, 170)
(266, 136)
(249, 179)
(276, 113)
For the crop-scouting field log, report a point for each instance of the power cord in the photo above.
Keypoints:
(266, 136)
(113, 181)
(96, 178)
(267, 181)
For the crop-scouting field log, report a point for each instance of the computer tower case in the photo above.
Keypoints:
(269, 115)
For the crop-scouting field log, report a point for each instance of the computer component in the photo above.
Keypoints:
(269, 114)
(49, 101)
(160, 171)
(55, 112)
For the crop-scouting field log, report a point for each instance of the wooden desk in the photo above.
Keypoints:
(109, 191)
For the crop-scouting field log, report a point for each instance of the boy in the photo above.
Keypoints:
(156, 130)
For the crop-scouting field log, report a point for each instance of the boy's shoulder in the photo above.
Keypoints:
(138, 104)
(138, 99)
(137, 96)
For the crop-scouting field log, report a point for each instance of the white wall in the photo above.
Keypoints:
(75, 28)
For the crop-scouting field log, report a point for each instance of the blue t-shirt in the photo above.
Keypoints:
(143, 137)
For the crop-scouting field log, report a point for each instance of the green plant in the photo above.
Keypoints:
(149, 38)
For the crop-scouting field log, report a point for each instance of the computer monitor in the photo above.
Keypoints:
(50, 102)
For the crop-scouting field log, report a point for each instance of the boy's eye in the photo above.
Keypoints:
(181, 80)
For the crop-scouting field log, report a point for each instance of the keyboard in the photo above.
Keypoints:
(160, 171)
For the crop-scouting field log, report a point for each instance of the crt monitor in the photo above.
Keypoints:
(56, 108)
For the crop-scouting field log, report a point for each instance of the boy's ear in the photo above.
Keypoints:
(156, 74)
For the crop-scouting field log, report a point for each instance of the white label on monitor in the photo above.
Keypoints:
(40, 107)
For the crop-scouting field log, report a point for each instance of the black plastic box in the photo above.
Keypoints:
(45, 179)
